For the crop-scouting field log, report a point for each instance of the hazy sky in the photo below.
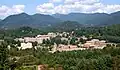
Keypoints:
(9, 7)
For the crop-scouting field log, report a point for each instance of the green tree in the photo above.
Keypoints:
(3, 56)
(116, 62)
(72, 41)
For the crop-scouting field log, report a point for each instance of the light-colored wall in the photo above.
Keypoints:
(26, 45)
(37, 39)
(95, 43)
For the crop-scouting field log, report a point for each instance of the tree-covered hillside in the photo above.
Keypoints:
(95, 19)
(23, 19)
(67, 26)
(110, 33)
(48, 21)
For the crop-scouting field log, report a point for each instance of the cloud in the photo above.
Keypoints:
(81, 1)
(18, 9)
(46, 8)
(15, 9)
(55, 1)
(109, 9)
(77, 6)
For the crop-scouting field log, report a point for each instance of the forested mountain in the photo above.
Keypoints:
(23, 19)
(15, 21)
(0, 20)
(95, 19)
(45, 21)
(109, 33)
(68, 26)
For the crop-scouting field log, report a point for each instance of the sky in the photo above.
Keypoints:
(11, 7)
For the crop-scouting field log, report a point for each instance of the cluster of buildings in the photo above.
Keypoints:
(39, 38)
(92, 44)
(26, 42)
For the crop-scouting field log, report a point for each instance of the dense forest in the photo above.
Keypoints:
(110, 33)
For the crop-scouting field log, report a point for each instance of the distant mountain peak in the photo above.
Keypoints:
(23, 19)
(22, 14)
(37, 14)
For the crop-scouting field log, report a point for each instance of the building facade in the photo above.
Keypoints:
(95, 43)
(26, 45)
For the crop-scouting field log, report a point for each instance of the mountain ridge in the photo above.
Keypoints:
(95, 19)
(44, 21)
(23, 19)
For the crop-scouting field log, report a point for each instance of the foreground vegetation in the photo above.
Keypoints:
(14, 59)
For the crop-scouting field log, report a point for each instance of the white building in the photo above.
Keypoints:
(84, 38)
(30, 39)
(63, 38)
(38, 38)
(26, 45)
(19, 39)
(52, 34)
